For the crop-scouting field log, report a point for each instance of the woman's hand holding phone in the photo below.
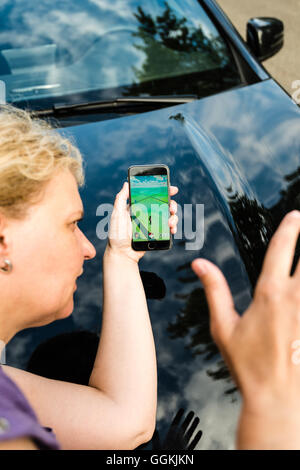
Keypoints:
(120, 232)
(126, 363)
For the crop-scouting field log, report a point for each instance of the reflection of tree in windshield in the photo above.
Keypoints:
(172, 47)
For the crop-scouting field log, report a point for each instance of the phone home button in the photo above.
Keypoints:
(151, 245)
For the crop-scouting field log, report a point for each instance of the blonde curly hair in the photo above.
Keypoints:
(31, 152)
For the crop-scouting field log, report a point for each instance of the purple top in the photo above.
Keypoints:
(17, 418)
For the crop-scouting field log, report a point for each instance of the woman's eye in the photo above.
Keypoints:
(75, 223)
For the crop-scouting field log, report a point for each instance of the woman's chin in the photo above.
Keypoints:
(63, 312)
(66, 311)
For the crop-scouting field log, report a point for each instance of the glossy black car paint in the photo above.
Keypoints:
(236, 153)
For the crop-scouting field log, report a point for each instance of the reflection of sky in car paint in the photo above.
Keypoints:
(232, 118)
(95, 34)
(254, 144)
(259, 127)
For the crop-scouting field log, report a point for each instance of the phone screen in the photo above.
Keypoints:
(149, 208)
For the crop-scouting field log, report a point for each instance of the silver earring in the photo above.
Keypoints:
(7, 267)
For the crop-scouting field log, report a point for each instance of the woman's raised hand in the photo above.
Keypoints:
(262, 348)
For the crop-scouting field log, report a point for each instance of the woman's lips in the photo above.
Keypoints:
(75, 285)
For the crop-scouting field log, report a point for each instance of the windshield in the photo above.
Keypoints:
(73, 50)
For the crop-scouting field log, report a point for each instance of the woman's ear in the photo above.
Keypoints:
(3, 236)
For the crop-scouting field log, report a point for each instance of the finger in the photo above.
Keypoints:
(187, 421)
(173, 221)
(223, 316)
(191, 430)
(173, 207)
(279, 257)
(178, 417)
(195, 441)
(121, 197)
(173, 224)
(173, 190)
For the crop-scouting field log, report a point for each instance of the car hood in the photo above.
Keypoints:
(235, 158)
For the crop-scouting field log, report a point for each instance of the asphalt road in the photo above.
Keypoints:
(285, 65)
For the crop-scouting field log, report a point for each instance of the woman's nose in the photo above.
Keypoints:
(89, 250)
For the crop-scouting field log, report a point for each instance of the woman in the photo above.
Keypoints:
(42, 251)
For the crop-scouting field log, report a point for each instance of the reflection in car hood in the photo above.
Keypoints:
(237, 153)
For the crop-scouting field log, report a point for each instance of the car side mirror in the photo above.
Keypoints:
(265, 36)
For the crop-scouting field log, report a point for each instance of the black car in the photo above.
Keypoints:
(172, 82)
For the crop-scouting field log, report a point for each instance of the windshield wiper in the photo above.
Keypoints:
(117, 104)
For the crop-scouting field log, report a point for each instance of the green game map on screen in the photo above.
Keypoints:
(149, 208)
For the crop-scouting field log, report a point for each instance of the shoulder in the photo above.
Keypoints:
(17, 418)
(21, 443)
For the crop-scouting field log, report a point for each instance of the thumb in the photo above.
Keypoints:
(223, 316)
(121, 197)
